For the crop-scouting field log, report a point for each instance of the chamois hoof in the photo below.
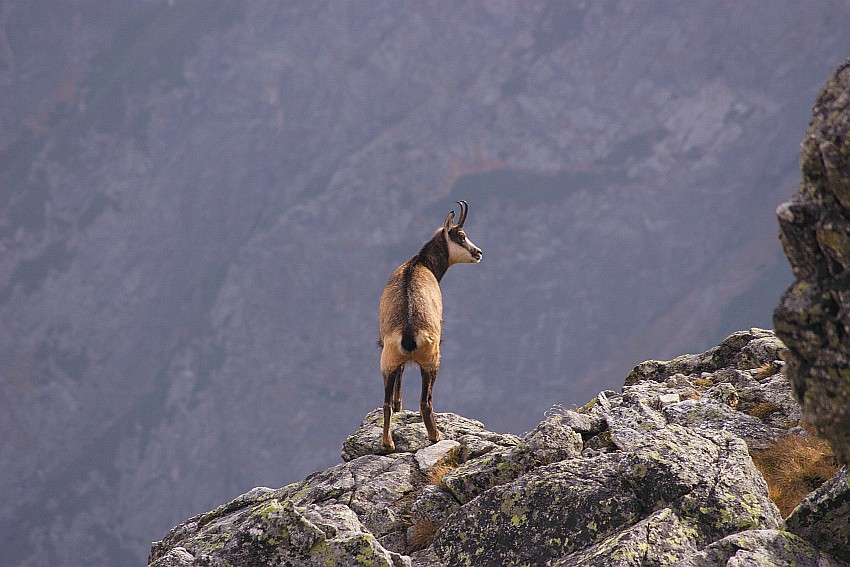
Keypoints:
(437, 437)
(387, 448)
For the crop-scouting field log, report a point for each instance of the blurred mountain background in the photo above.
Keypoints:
(200, 203)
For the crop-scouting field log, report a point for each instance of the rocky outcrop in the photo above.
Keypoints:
(813, 317)
(656, 474)
(822, 517)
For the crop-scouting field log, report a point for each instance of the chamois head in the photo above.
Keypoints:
(461, 249)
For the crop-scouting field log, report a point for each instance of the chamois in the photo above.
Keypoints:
(411, 318)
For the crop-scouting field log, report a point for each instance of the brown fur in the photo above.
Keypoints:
(411, 315)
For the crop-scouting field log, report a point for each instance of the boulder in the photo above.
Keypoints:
(659, 539)
(409, 434)
(823, 518)
(550, 441)
(759, 547)
(707, 478)
(813, 316)
(440, 452)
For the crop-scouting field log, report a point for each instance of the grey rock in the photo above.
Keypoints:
(667, 399)
(550, 441)
(733, 352)
(750, 396)
(340, 512)
(491, 469)
(626, 480)
(723, 393)
(558, 509)
(760, 548)
(434, 504)
(547, 513)
(584, 423)
(277, 532)
(719, 416)
(409, 433)
(812, 316)
(823, 517)
(176, 557)
(553, 440)
(659, 539)
(426, 558)
(428, 457)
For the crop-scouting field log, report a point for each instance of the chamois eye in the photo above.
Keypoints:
(461, 237)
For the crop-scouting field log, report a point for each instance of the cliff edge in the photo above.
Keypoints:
(657, 474)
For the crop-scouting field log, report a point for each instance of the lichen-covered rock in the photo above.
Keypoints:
(759, 547)
(341, 512)
(492, 469)
(743, 350)
(409, 433)
(547, 513)
(707, 413)
(660, 539)
(434, 505)
(176, 557)
(550, 441)
(749, 397)
(707, 478)
(652, 475)
(553, 440)
(823, 518)
(813, 316)
(426, 558)
(277, 532)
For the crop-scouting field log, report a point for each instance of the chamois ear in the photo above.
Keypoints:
(450, 219)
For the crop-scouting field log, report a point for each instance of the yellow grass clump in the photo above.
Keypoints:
(793, 466)
(436, 474)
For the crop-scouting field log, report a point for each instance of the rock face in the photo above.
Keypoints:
(813, 317)
(822, 517)
(653, 475)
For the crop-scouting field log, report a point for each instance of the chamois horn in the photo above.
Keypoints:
(464, 208)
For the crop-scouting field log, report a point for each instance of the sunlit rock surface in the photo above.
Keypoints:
(634, 477)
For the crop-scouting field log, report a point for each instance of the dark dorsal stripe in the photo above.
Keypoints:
(434, 256)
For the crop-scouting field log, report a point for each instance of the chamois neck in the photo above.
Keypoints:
(434, 255)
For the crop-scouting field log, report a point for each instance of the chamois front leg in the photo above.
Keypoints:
(425, 406)
(391, 377)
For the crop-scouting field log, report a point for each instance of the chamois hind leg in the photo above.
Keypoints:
(425, 406)
(397, 391)
(390, 379)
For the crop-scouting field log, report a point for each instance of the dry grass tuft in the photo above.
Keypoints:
(762, 410)
(793, 466)
(436, 474)
(423, 534)
(702, 382)
(765, 370)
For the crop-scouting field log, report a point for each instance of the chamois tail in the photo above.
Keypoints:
(408, 341)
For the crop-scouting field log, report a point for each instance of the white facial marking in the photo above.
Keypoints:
(461, 255)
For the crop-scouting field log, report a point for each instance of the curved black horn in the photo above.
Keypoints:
(464, 208)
